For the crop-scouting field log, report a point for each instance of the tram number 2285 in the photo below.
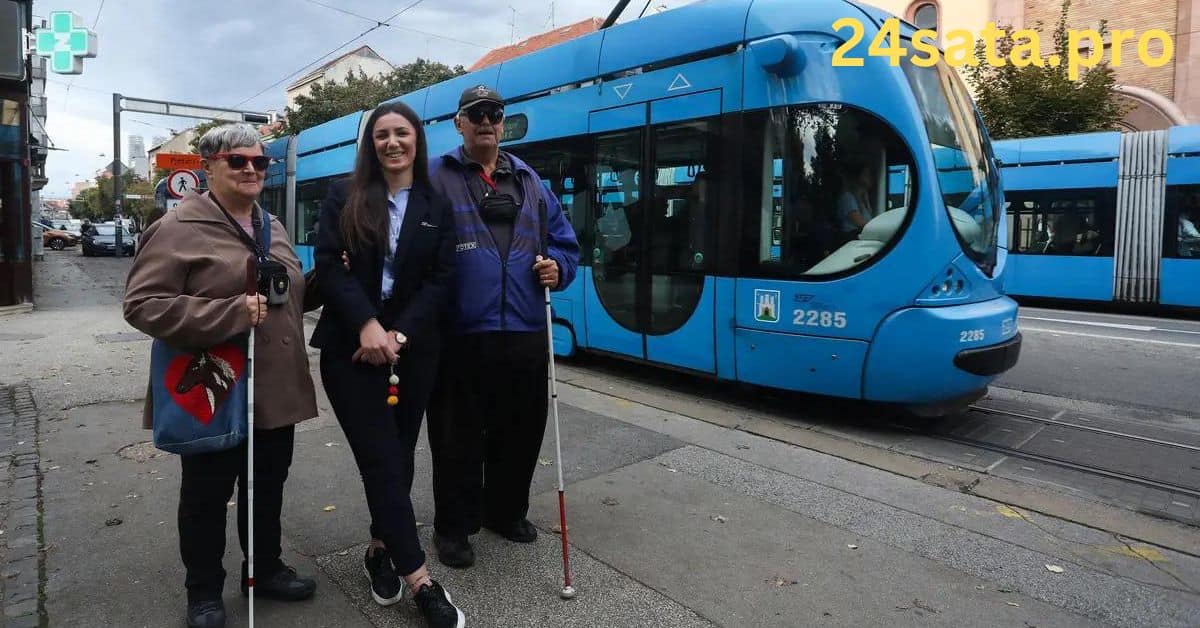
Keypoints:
(971, 335)
(818, 318)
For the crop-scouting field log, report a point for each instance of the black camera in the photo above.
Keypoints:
(273, 281)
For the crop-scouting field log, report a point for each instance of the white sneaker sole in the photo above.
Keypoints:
(462, 619)
(383, 601)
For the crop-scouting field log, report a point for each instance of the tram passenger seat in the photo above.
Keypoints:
(874, 236)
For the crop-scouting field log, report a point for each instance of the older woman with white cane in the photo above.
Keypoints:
(186, 290)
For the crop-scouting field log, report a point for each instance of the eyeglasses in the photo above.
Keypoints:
(494, 113)
(237, 161)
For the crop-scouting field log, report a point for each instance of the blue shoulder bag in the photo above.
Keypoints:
(199, 397)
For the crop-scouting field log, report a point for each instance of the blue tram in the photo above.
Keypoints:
(745, 209)
(1105, 217)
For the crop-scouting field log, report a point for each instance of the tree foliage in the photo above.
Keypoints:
(329, 100)
(96, 203)
(201, 129)
(1040, 99)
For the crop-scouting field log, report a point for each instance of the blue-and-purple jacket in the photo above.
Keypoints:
(494, 294)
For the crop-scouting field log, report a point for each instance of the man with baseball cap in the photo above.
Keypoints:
(488, 415)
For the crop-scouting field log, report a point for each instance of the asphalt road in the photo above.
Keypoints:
(1133, 361)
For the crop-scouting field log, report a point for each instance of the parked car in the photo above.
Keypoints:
(57, 239)
(101, 240)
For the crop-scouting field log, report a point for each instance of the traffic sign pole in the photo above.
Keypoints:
(118, 183)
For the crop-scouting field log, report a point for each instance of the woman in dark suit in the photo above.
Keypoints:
(381, 318)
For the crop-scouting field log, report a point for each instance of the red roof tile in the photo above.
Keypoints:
(538, 42)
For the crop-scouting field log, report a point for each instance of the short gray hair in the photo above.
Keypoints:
(227, 137)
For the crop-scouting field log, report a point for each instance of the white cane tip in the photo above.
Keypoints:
(567, 593)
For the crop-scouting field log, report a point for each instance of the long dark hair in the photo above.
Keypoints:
(365, 217)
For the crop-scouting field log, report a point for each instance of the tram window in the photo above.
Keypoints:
(966, 171)
(563, 167)
(619, 241)
(684, 194)
(1181, 231)
(834, 189)
(1062, 222)
(272, 201)
(681, 216)
(309, 196)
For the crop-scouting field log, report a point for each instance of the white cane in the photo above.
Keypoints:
(252, 291)
(568, 591)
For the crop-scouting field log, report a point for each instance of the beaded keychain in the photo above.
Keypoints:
(393, 389)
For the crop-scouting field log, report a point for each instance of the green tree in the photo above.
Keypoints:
(96, 203)
(1039, 99)
(86, 205)
(329, 100)
(200, 130)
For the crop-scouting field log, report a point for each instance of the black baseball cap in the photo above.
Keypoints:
(478, 94)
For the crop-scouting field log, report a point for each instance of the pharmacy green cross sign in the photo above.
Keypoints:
(66, 43)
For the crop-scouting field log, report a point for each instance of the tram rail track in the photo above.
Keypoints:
(1064, 462)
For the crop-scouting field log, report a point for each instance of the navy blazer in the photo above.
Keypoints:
(423, 272)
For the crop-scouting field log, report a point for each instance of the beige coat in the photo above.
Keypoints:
(187, 287)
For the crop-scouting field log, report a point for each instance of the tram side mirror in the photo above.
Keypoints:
(780, 55)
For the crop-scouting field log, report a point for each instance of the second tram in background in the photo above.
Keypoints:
(1105, 217)
(715, 166)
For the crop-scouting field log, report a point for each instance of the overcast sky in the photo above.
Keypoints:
(222, 52)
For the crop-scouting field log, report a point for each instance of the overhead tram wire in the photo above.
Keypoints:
(322, 57)
(401, 28)
(71, 83)
(98, 12)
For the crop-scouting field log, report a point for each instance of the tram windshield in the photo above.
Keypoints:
(965, 167)
(835, 186)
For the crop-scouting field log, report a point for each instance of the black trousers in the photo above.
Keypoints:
(204, 493)
(383, 439)
(486, 424)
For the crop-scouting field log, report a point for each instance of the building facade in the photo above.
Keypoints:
(364, 60)
(181, 142)
(1158, 96)
(16, 170)
(137, 157)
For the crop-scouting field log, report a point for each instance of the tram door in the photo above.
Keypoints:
(654, 196)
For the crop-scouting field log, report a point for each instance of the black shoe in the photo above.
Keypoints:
(206, 614)
(454, 551)
(520, 531)
(438, 609)
(386, 587)
(283, 585)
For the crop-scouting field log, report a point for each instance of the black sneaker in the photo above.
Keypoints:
(386, 587)
(454, 551)
(437, 608)
(284, 585)
(520, 531)
(206, 614)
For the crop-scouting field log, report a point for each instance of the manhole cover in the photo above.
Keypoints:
(124, 336)
(140, 452)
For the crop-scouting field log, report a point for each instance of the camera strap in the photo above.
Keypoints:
(260, 244)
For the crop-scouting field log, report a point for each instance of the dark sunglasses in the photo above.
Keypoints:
(495, 114)
(238, 161)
